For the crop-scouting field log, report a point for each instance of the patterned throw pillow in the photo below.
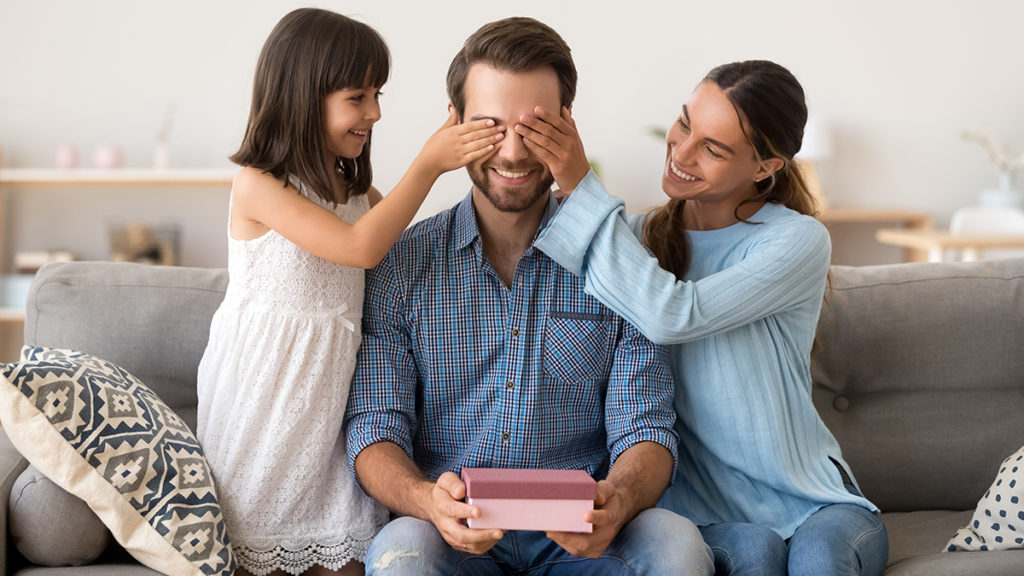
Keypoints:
(998, 521)
(102, 435)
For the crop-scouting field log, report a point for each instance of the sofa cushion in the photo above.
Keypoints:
(152, 320)
(916, 547)
(52, 527)
(101, 434)
(998, 520)
(918, 372)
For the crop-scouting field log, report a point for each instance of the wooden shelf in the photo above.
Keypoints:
(908, 218)
(117, 177)
(20, 178)
(12, 315)
(935, 242)
(878, 217)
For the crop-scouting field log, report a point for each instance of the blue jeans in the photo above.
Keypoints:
(656, 542)
(838, 540)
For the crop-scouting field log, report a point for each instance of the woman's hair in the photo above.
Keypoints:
(769, 102)
(310, 54)
(513, 45)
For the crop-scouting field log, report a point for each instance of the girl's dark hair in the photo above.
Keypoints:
(769, 102)
(513, 45)
(310, 54)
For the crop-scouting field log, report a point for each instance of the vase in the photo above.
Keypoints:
(1005, 196)
(107, 157)
(162, 155)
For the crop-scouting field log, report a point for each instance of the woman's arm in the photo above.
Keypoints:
(591, 237)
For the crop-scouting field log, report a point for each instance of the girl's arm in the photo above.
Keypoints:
(260, 202)
(590, 236)
(374, 196)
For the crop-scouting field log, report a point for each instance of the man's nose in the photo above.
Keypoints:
(512, 148)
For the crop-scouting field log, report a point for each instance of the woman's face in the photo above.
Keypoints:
(709, 158)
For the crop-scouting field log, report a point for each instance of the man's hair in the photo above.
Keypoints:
(515, 45)
(310, 54)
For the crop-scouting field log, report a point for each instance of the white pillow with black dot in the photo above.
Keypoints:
(998, 521)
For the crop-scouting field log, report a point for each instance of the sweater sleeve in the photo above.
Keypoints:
(591, 237)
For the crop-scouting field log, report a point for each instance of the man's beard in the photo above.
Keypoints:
(500, 197)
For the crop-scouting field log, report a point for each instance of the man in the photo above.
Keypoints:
(479, 351)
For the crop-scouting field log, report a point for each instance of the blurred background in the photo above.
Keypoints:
(134, 84)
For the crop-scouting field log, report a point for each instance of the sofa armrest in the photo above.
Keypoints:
(12, 464)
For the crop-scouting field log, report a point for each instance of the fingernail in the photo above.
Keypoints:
(490, 122)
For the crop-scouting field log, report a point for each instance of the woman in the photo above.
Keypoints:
(734, 288)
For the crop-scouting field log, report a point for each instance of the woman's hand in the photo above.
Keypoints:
(555, 141)
(454, 145)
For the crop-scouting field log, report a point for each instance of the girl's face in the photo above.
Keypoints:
(709, 158)
(349, 115)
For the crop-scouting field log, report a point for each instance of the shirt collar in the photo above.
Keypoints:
(467, 231)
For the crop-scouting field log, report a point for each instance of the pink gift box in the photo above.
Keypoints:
(546, 500)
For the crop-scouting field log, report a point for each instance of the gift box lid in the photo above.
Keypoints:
(537, 484)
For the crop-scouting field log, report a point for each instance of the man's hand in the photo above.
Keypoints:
(555, 141)
(608, 518)
(447, 514)
(634, 484)
(389, 475)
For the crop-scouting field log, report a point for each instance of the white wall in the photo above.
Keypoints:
(898, 80)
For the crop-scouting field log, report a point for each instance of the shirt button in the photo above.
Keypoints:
(505, 437)
(510, 384)
(515, 331)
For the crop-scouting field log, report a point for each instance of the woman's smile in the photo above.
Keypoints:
(679, 173)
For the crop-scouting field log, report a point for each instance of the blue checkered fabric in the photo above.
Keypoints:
(461, 371)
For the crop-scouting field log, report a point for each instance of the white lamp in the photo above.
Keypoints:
(817, 145)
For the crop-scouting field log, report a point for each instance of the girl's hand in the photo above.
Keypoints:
(556, 142)
(454, 145)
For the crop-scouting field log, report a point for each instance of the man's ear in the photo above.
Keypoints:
(451, 108)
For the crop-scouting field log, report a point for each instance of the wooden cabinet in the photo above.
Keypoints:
(24, 179)
(21, 178)
(838, 220)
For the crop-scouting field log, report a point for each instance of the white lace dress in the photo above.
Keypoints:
(273, 384)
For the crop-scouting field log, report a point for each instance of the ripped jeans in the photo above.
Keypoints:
(657, 542)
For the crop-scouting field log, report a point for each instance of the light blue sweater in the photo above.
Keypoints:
(739, 330)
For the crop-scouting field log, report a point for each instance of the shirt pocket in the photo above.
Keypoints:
(578, 346)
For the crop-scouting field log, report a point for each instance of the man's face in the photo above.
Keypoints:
(512, 179)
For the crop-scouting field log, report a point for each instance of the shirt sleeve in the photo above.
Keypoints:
(591, 237)
(638, 403)
(382, 398)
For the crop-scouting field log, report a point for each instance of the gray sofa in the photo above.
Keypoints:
(919, 372)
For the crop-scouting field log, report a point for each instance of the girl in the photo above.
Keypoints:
(274, 379)
(758, 470)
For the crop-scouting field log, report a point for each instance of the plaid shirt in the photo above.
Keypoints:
(461, 371)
